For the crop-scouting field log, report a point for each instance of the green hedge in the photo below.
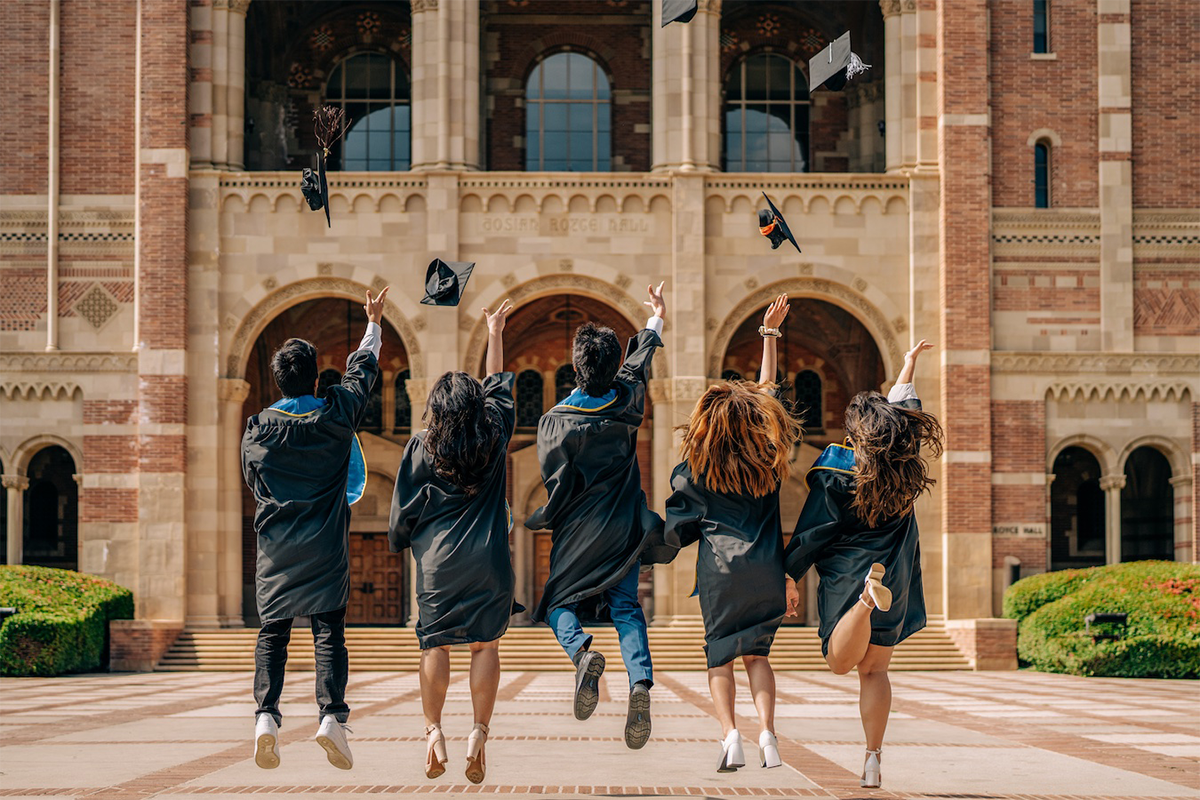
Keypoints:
(61, 624)
(1161, 640)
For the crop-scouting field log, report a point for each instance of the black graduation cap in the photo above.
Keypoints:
(834, 65)
(445, 282)
(315, 188)
(677, 11)
(772, 225)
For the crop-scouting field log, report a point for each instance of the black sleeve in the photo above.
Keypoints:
(247, 466)
(498, 397)
(555, 452)
(362, 370)
(685, 508)
(638, 356)
(408, 499)
(821, 521)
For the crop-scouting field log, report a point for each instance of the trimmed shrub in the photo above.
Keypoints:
(61, 624)
(1161, 639)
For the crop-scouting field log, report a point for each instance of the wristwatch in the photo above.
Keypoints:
(774, 333)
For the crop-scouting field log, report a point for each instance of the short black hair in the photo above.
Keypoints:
(596, 356)
(294, 366)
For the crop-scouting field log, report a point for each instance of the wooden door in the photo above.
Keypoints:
(377, 594)
(541, 564)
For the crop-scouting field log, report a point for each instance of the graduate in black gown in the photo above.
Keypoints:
(736, 448)
(859, 530)
(450, 508)
(303, 463)
(587, 446)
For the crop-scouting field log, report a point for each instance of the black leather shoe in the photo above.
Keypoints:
(637, 723)
(588, 670)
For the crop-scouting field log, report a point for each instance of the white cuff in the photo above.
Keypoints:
(373, 339)
(655, 324)
(901, 392)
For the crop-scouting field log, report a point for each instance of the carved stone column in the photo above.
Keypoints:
(686, 90)
(15, 486)
(445, 85)
(910, 123)
(1112, 486)
(1185, 519)
(235, 93)
(1116, 175)
(232, 393)
(892, 77)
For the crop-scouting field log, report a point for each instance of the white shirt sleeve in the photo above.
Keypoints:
(373, 339)
(901, 392)
(655, 324)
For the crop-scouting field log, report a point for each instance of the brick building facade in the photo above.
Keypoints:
(1029, 204)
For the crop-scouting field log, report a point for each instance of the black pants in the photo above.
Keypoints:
(333, 664)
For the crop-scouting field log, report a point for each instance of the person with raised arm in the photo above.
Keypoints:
(737, 446)
(597, 512)
(449, 506)
(304, 465)
(859, 529)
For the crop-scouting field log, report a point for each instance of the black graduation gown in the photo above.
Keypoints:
(596, 507)
(739, 569)
(465, 577)
(830, 536)
(296, 466)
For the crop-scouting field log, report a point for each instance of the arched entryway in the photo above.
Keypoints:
(378, 593)
(538, 338)
(1077, 511)
(1147, 507)
(825, 357)
(51, 510)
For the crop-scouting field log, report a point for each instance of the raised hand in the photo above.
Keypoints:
(921, 347)
(656, 302)
(374, 308)
(777, 312)
(495, 322)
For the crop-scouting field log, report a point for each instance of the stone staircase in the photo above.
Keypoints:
(675, 647)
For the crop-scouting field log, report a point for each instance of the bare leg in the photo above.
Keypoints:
(722, 688)
(485, 678)
(875, 694)
(850, 638)
(435, 680)
(762, 686)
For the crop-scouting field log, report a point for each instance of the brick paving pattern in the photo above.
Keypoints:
(985, 736)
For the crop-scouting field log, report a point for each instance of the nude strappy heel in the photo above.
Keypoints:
(435, 758)
(880, 595)
(476, 764)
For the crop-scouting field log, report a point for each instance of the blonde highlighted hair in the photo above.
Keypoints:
(739, 439)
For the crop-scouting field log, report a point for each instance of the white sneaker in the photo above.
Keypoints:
(266, 742)
(332, 736)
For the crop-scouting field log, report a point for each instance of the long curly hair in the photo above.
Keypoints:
(461, 435)
(889, 469)
(739, 439)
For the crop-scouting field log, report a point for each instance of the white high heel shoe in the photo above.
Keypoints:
(435, 758)
(871, 778)
(768, 750)
(476, 764)
(880, 594)
(732, 756)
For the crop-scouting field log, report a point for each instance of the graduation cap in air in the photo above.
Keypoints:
(329, 125)
(677, 11)
(772, 225)
(445, 282)
(835, 65)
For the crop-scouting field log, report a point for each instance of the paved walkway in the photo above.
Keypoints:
(952, 735)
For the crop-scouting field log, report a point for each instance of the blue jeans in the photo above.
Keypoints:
(629, 621)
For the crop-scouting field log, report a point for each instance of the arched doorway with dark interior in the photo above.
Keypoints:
(51, 536)
(825, 356)
(1147, 507)
(378, 582)
(1076, 511)
(537, 347)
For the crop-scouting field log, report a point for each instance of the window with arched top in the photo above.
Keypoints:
(327, 378)
(402, 417)
(810, 399)
(1041, 174)
(1077, 511)
(766, 115)
(372, 420)
(568, 115)
(373, 90)
(1041, 26)
(529, 398)
(1147, 507)
(564, 382)
(51, 535)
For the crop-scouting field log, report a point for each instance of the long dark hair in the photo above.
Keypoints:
(461, 434)
(890, 472)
